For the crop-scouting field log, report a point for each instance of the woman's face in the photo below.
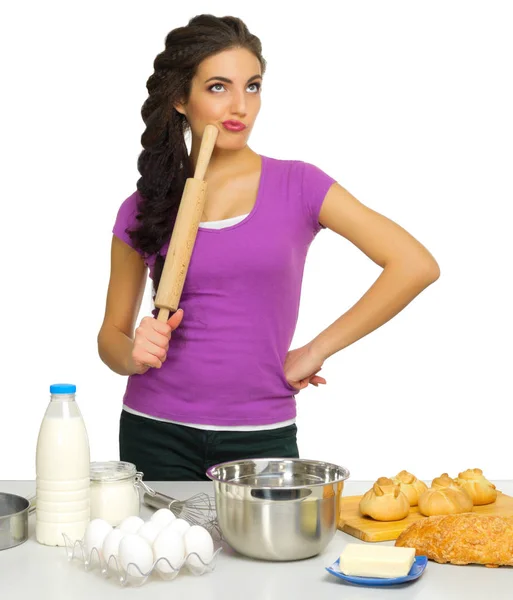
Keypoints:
(226, 87)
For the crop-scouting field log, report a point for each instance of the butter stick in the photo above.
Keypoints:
(363, 560)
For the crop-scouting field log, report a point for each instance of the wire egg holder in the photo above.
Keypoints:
(132, 574)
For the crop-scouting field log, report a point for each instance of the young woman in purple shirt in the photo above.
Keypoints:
(218, 381)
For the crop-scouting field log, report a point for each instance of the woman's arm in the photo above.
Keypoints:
(124, 296)
(408, 268)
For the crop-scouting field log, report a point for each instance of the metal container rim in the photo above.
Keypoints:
(10, 497)
(210, 472)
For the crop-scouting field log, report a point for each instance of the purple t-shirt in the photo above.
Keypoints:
(240, 301)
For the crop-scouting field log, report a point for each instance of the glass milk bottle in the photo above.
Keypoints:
(62, 470)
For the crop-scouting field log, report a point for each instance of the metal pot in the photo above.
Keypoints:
(14, 513)
(278, 509)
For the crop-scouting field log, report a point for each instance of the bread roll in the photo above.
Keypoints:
(385, 501)
(410, 486)
(444, 501)
(479, 488)
(462, 539)
(445, 481)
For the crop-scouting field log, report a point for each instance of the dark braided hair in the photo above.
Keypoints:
(164, 163)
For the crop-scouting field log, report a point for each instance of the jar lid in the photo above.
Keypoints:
(112, 470)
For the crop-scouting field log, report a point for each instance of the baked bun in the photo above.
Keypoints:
(444, 501)
(445, 481)
(479, 488)
(385, 501)
(410, 486)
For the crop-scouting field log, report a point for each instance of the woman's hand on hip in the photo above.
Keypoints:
(301, 367)
(151, 342)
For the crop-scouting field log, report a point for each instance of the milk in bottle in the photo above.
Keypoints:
(62, 470)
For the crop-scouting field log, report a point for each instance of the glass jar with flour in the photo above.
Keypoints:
(114, 491)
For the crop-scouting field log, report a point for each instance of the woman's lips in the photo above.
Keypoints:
(234, 125)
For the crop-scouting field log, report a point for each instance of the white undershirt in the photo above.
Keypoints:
(216, 225)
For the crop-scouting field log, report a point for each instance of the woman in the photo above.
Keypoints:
(217, 382)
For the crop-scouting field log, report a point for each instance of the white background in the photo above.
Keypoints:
(408, 105)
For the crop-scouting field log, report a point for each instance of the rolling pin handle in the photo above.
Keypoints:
(163, 315)
(207, 147)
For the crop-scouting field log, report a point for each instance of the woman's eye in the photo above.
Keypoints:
(212, 88)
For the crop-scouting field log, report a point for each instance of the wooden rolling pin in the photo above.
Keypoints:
(185, 230)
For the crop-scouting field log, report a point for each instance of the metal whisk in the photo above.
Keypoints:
(196, 510)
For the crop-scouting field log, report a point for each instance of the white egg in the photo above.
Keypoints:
(198, 539)
(111, 543)
(169, 544)
(131, 524)
(162, 517)
(135, 549)
(96, 532)
(179, 525)
(149, 531)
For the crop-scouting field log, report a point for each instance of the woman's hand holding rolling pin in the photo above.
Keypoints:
(151, 342)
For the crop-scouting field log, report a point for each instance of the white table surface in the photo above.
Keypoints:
(35, 571)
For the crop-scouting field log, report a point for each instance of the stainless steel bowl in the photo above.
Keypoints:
(278, 509)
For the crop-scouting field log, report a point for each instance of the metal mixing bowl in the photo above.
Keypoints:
(278, 509)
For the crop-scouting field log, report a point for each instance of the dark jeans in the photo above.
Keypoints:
(170, 452)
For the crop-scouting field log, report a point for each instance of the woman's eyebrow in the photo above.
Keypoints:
(226, 80)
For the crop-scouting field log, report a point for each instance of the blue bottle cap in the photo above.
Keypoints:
(63, 388)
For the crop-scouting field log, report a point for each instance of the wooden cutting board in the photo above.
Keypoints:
(369, 530)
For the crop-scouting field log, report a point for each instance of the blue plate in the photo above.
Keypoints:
(416, 571)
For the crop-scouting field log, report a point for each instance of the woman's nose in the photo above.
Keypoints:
(239, 102)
